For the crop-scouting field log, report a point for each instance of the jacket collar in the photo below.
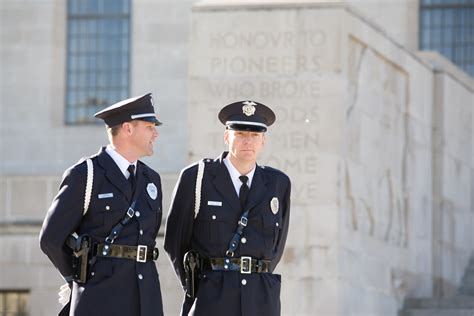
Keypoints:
(116, 177)
(223, 184)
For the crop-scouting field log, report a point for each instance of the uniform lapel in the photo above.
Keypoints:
(258, 189)
(223, 184)
(113, 174)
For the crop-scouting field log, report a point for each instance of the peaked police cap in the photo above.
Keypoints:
(137, 108)
(247, 116)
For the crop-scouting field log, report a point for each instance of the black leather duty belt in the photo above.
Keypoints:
(245, 265)
(138, 253)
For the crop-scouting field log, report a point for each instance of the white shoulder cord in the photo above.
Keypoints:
(90, 179)
(199, 177)
(65, 290)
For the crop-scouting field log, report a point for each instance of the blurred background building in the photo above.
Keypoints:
(374, 103)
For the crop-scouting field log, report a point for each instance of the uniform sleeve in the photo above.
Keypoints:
(62, 219)
(179, 223)
(284, 229)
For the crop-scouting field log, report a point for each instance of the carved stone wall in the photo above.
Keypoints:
(354, 132)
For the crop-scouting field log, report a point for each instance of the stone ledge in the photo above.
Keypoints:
(20, 227)
(436, 312)
(441, 64)
(461, 302)
(211, 5)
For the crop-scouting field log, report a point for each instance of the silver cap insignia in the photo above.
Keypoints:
(249, 108)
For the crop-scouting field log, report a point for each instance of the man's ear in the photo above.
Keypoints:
(264, 138)
(127, 128)
(226, 137)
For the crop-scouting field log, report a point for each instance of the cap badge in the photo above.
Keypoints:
(249, 108)
(274, 205)
(152, 190)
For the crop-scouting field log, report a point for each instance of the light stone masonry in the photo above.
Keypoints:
(377, 139)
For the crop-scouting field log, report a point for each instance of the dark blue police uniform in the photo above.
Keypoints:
(232, 292)
(116, 285)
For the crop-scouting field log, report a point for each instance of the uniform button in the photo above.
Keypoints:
(141, 231)
(92, 273)
(244, 281)
(277, 224)
(107, 207)
(244, 240)
(137, 214)
(140, 276)
(214, 217)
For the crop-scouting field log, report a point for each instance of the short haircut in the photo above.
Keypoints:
(113, 130)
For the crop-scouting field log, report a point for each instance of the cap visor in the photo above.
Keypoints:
(151, 119)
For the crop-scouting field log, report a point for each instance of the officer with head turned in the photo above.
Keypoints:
(231, 216)
(120, 224)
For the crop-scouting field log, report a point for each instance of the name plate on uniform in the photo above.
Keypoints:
(106, 195)
(214, 203)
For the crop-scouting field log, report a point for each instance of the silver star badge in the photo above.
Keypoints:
(249, 108)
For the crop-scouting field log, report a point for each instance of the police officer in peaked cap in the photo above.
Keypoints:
(228, 222)
(109, 265)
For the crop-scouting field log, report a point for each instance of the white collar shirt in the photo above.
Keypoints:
(235, 174)
(120, 161)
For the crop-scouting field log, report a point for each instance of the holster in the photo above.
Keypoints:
(192, 271)
(81, 252)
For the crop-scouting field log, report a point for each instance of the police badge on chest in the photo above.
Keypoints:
(152, 190)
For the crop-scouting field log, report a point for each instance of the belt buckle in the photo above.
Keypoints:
(245, 265)
(141, 253)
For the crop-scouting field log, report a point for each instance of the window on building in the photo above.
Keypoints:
(14, 303)
(98, 56)
(447, 26)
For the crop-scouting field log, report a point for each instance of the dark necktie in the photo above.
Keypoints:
(244, 191)
(131, 178)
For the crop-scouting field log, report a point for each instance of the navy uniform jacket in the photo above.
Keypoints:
(223, 292)
(115, 287)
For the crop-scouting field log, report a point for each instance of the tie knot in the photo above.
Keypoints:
(244, 179)
(131, 169)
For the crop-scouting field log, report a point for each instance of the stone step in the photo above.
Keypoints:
(466, 302)
(436, 312)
